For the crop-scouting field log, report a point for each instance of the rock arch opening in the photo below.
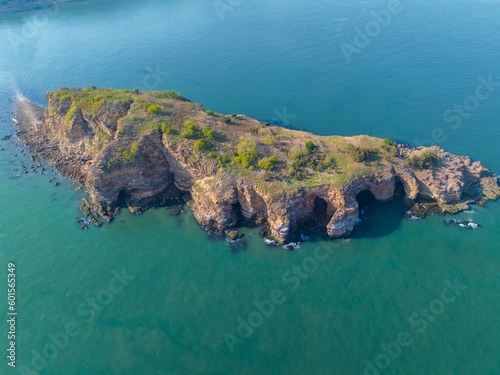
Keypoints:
(378, 218)
(316, 221)
(237, 216)
(365, 199)
(399, 190)
(122, 199)
(320, 212)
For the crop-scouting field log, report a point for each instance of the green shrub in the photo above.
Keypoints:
(154, 109)
(297, 174)
(357, 154)
(426, 160)
(143, 104)
(245, 161)
(248, 148)
(226, 120)
(251, 168)
(199, 145)
(267, 163)
(189, 133)
(96, 107)
(69, 115)
(207, 132)
(223, 160)
(320, 162)
(129, 154)
(269, 139)
(388, 142)
(310, 146)
(210, 113)
(388, 145)
(165, 128)
(191, 125)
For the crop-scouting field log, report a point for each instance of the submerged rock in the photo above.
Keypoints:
(271, 243)
(462, 224)
(178, 210)
(292, 246)
(84, 223)
(86, 209)
(234, 235)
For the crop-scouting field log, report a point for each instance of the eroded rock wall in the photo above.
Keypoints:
(136, 171)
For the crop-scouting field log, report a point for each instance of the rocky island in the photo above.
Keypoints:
(134, 149)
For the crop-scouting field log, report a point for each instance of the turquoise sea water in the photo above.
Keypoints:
(186, 293)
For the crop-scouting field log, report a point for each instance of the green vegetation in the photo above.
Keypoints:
(320, 162)
(69, 115)
(316, 161)
(247, 147)
(222, 161)
(189, 133)
(287, 160)
(199, 145)
(310, 146)
(168, 95)
(207, 132)
(191, 125)
(390, 147)
(154, 109)
(191, 128)
(425, 160)
(270, 139)
(165, 128)
(129, 154)
(96, 107)
(267, 163)
(386, 143)
(358, 154)
(247, 152)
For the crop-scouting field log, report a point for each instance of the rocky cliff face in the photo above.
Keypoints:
(131, 155)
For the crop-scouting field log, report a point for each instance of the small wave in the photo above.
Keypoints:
(271, 242)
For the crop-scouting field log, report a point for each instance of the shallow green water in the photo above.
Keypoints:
(273, 62)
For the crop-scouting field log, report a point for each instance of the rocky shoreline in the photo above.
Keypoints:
(136, 150)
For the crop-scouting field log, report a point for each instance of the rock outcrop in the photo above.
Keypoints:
(130, 154)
